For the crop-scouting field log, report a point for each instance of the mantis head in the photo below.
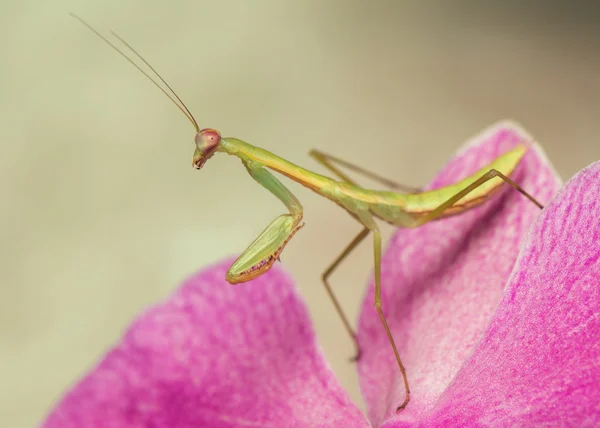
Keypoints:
(207, 141)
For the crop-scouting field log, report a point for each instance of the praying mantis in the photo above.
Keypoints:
(402, 206)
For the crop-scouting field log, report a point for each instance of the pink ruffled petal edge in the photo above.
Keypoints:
(214, 355)
(538, 363)
(441, 283)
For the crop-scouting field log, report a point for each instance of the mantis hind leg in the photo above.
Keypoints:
(439, 211)
(328, 162)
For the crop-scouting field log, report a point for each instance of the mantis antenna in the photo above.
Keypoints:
(183, 109)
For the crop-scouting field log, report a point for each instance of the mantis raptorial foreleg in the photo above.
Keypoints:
(273, 185)
(265, 250)
(328, 160)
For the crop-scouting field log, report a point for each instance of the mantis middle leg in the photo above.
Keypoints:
(370, 224)
(327, 161)
(357, 240)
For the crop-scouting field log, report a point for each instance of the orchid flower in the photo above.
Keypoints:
(496, 313)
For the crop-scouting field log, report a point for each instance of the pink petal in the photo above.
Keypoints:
(441, 283)
(538, 362)
(214, 355)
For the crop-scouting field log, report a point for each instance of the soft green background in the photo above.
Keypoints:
(103, 215)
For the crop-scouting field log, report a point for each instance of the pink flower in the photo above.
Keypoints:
(496, 313)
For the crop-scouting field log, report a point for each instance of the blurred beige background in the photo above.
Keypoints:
(102, 213)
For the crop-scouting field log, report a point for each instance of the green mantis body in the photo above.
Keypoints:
(401, 209)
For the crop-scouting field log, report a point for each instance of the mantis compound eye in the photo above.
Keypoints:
(207, 141)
